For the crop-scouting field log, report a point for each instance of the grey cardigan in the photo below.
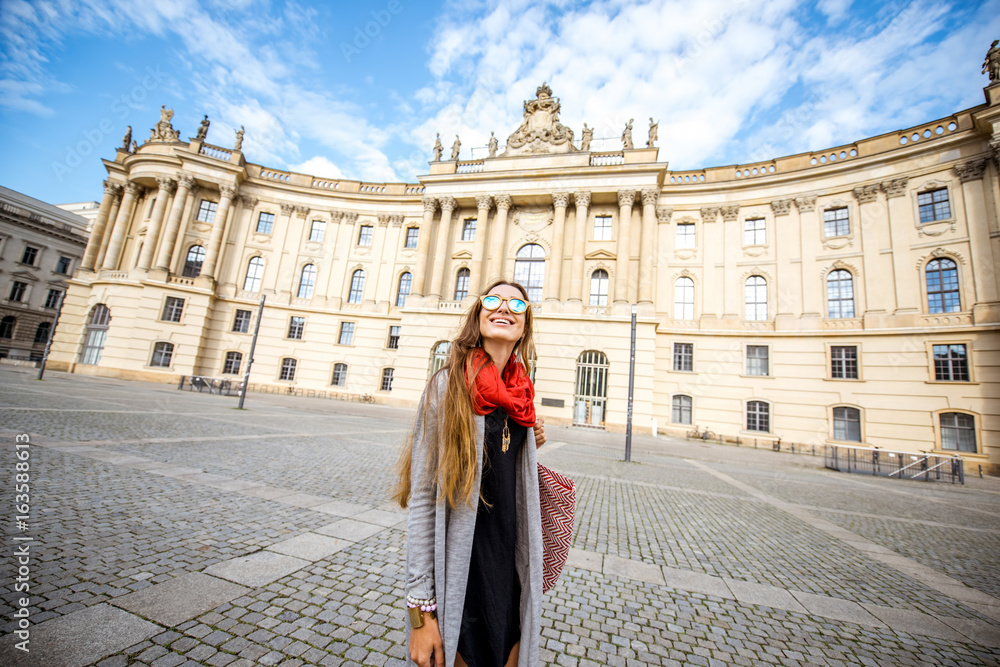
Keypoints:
(439, 540)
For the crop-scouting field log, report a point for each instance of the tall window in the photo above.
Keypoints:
(683, 356)
(288, 369)
(951, 363)
(346, 333)
(757, 360)
(756, 298)
(844, 362)
(835, 222)
(599, 288)
(602, 228)
(462, 284)
(339, 375)
(173, 307)
(52, 299)
(934, 205)
(387, 374)
(365, 235)
(685, 235)
(232, 363)
(958, 432)
(206, 211)
(758, 416)
(17, 290)
(317, 231)
(469, 229)
(405, 282)
(412, 237)
(97, 332)
(440, 355)
(241, 322)
(265, 222)
(307, 281)
(840, 294)
(847, 424)
(529, 270)
(163, 353)
(42, 332)
(192, 265)
(357, 286)
(62, 266)
(942, 286)
(754, 232)
(590, 400)
(296, 326)
(680, 409)
(29, 255)
(255, 271)
(7, 326)
(684, 299)
(393, 342)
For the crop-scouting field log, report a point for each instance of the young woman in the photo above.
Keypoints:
(469, 476)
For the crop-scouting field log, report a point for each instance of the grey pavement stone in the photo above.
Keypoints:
(257, 569)
(80, 638)
(913, 622)
(381, 517)
(835, 608)
(234, 485)
(265, 492)
(309, 546)
(770, 596)
(585, 560)
(980, 632)
(180, 599)
(630, 569)
(349, 529)
(696, 582)
(301, 500)
(176, 471)
(340, 508)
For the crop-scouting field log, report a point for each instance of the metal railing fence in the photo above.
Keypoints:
(901, 465)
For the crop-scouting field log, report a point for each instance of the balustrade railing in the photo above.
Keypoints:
(215, 152)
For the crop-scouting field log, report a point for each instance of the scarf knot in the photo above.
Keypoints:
(511, 390)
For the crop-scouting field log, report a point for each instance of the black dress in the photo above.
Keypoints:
(491, 621)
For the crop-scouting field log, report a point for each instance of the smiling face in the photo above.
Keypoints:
(501, 324)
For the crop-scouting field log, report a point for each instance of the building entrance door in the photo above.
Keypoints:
(590, 401)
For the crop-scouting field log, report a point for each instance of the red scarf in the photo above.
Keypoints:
(513, 392)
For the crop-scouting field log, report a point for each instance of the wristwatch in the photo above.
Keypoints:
(417, 617)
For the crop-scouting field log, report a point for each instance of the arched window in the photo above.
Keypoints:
(529, 269)
(681, 409)
(97, 332)
(942, 287)
(440, 355)
(288, 369)
(591, 398)
(192, 265)
(758, 416)
(232, 364)
(405, 281)
(840, 294)
(847, 424)
(599, 288)
(255, 271)
(163, 354)
(42, 332)
(357, 287)
(684, 299)
(462, 284)
(307, 281)
(756, 298)
(339, 375)
(958, 432)
(7, 326)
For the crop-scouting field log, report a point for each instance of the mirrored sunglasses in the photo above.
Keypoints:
(493, 302)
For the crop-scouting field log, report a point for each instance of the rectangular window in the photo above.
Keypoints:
(346, 333)
(206, 211)
(365, 235)
(680, 411)
(387, 379)
(412, 236)
(951, 363)
(835, 222)
(163, 354)
(29, 255)
(52, 300)
(318, 231)
(934, 205)
(758, 416)
(958, 432)
(683, 356)
(172, 309)
(62, 266)
(296, 325)
(232, 365)
(265, 223)
(339, 375)
(241, 323)
(847, 424)
(602, 228)
(685, 235)
(757, 360)
(288, 369)
(469, 229)
(844, 362)
(17, 290)
(754, 232)
(393, 343)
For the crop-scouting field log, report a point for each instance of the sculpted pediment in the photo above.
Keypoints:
(462, 254)
(540, 131)
(600, 254)
(24, 275)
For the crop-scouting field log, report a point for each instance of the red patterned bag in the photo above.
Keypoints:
(557, 496)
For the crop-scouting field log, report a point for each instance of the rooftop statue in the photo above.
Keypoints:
(540, 131)
(992, 62)
(493, 145)
(239, 139)
(203, 129)
(652, 133)
(627, 135)
(586, 137)
(127, 139)
(164, 131)
(438, 148)
(455, 147)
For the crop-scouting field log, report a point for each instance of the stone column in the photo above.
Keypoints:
(111, 191)
(448, 205)
(785, 236)
(423, 247)
(218, 227)
(984, 270)
(114, 252)
(733, 293)
(164, 257)
(560, 201)
(577, 280)
(477, 281)
(907, 290)
(112, 216)
(625, 200)
(647, 270)
(812, 296)
(710, 246)
(499, 240)
(663, 242)
(167, 186)
(868, 232)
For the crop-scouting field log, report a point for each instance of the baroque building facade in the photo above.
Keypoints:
(847, 296)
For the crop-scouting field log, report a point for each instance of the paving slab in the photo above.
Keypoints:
(234, 485)
(80, 638)
(696, 582)
(265, 492)
(257, 569)
(585, 560)
(965, 594)
(837, 609)
(381, 517)
(301, 500)
(147, 465)
(349, 529)
(176, 471)
(180, 599)
(633, 569)
(980, 632)
(914, 622)
(340, 508)
(310, 546)
(205, 478)
(989, 610)
(749, 592)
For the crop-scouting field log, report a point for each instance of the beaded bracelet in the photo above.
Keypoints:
(429, 604)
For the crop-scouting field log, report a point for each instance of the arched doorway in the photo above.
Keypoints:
(590, 401)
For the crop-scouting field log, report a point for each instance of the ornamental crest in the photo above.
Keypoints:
(540, 131)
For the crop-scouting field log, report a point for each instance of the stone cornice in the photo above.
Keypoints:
(971, 170)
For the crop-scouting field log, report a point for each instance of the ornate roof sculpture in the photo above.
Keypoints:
(540, 131)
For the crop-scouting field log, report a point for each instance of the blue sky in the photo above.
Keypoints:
(359, 89)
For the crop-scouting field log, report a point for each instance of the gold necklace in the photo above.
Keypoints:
(505, 442)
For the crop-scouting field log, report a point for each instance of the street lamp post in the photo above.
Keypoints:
(52, 333)
(631, 387)
(253, 346)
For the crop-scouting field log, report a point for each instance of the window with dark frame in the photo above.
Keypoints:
(758, 416)
(412, 237)
(942, 286)
(265, 222)
(62, 266)
(757, 360)
(232, 364)
(847, 424)
(840, 294)
(684, 357)
(163, 354)
(17, 290)
(193, 262)
(599, 288)
(836, 222)
(405, 283)
(680, 409)
(951, 363)
(29, 255)
(307, 281)
(52, 300)
(296, 326)
(462, 284)
(958, 432)
(288, 369)
(934, 205)
(7, 326)
(755, 295)
(387, 374)
(754, 231)
(469, 229)
(365, 235)
(357, 286)
(844, 362)
(317, 231)
(393, 342)
(255, 271)
(241, 322)
(346, 333)
(529, 270)
(172, 309)
(97, 332)
(339, 375)
(206, 211)
(42, 332)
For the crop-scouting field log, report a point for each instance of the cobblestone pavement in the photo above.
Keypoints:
(170, 529)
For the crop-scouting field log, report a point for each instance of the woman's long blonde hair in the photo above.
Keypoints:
(454, 465)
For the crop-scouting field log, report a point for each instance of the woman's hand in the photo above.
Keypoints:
(539, 432)
(425, 642)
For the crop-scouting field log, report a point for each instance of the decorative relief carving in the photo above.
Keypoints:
(866, 194)
(895, 187)
(430, 204)
(336, 216)
(730, 213)
(650, 197)
(448, 204)
(533, 218)
(502, 201)
(228, 191)
(936, 228)
(755, 250)
(112, 188)
(995, 146)
(560, 199)
(383, 219)
(484, 202)
(939, 253)
(133, 189)
(302, 211)
(396, 220)
(626, 197)
(840, 264)
(838, 242)
(185, 181)
(971, 170)
(350, 218)
(806, 203)
(709, 213)
(166, 184)
(663, 214)
(781, 206)
(247, 201)
(581, 199)
(287, 209)
(541, 131)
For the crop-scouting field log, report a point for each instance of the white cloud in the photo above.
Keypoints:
(318, 166)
